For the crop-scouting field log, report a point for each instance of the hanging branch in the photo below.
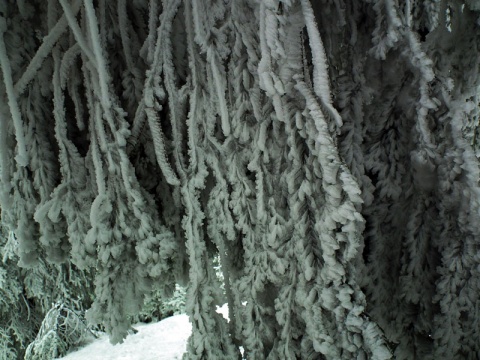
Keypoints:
(77, 32)
(45, 49)
(154, 93)
(320, 73)
(22, 157)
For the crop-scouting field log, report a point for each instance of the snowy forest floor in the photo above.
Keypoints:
(164, 340)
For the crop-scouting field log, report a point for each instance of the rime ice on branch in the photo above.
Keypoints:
(319, 149)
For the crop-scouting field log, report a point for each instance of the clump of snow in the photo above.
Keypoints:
(165, 340)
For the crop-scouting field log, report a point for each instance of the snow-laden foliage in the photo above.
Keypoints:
(404, 104)
(321, 150)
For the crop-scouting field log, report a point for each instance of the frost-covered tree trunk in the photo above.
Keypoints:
(323, 150)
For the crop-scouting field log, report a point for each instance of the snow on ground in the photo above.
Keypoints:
(165, 340)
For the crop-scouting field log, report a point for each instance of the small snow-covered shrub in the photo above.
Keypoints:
(61, 330)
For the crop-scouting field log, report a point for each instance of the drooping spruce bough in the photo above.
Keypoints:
(323, 150)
